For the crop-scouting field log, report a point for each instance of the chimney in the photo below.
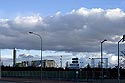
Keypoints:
(14, 57)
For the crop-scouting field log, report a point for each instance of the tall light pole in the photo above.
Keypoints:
(102, 57)
(0, 65)
(40, 48)
(123, 39)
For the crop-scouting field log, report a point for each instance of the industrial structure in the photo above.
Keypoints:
(14, 57)
(97, 60)
(74, 64)
(37, 63)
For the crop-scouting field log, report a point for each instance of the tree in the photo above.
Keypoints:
(88, 65)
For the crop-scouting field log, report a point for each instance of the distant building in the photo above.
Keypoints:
(49, 63)
(37, 63)
(74, 64)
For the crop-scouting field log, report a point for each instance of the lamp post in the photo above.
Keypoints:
(123, 39)
(0, 65)
(102, 58)
(40, 47)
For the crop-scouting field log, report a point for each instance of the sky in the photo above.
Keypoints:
(69, 28)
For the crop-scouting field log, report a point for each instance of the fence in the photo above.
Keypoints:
(57, 75)
(93, 76)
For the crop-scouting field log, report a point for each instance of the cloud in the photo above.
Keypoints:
(78, 30)
(6, 61)
(25, 56)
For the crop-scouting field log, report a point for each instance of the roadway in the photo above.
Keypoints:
(8, 82)
(16, 82)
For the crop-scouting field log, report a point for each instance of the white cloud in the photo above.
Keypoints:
(3, 23)
(25, 56)
(28, 21)
(115, 14)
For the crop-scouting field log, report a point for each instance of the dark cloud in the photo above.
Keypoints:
(78, 30)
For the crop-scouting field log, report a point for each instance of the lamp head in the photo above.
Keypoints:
(30, 32)
(123, 38)
(103, 40)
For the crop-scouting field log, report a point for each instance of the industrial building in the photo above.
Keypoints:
(74, 64)
(37, 63)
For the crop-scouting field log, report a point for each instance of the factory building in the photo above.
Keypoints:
(74, 64)
(37, 63)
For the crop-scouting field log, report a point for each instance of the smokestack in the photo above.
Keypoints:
(14, 57)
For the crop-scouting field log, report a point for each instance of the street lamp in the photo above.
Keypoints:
(0, 65)
(123, 39)
(102, 56)
(40, 47)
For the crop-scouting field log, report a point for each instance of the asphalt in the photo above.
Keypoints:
(34, 80)
(27, 80)
(7, 82)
